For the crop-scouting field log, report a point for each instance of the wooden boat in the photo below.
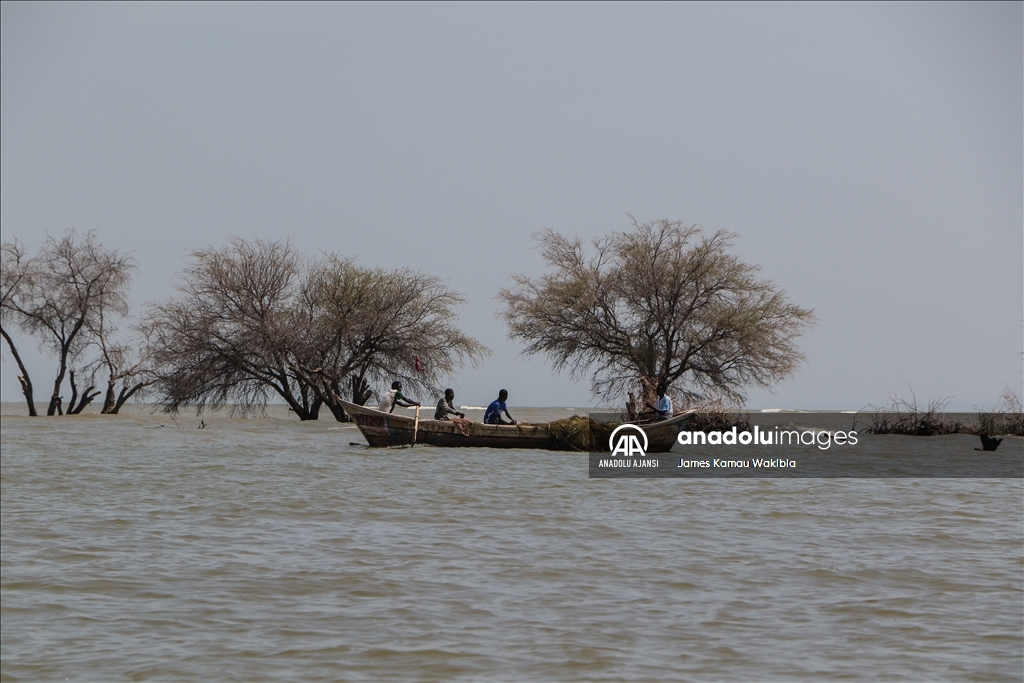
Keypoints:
(391, 429)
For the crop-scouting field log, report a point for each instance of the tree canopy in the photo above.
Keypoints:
(63, 296)
(256, 318)
(663, 303)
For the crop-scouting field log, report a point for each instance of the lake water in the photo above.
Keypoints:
(135, 547)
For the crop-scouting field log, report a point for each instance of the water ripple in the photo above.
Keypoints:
(273, 550)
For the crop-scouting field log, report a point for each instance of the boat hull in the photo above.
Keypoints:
(382, 429)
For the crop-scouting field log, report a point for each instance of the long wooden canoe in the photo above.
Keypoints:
(390, 429)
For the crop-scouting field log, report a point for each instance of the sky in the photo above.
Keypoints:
(868, 156)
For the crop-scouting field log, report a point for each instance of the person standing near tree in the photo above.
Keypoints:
(395, 397)
(664, 405)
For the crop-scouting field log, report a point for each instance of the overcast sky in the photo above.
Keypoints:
(868, 155)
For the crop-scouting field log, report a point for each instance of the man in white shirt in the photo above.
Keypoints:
(394, 397)
(664, 406)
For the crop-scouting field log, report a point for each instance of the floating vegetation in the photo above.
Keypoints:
(900, 416)
(582, 433)
(1007, 417)
(585, 433)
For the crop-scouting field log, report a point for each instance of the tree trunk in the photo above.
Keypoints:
(360, 395)
(324, 391)
(108, 400)
(649, 394)
(74, 392)
(300, 410)
(339, 413)
(314, 408)
(55, 400)
(310, 401)
(304, 412)
(87, 396)
(330, 391)
(23, 378)
(360, 390)
(126, 394)
(65, 349)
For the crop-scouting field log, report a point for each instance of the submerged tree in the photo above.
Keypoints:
(661, 304)
(15, 281)
(375, 325)
(58, 296)
(227, 336)
(125, 361)
(255, 319)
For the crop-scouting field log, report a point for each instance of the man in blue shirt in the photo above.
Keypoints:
(492, 416)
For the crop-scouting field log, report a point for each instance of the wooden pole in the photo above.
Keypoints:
(416, 425)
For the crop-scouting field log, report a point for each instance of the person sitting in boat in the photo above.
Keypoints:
(395, 398)
(664, 406)
(492, 416)
(445, 407)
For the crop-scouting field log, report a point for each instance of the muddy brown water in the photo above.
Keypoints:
(140, 548)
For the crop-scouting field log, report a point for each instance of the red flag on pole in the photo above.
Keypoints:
(419, 365)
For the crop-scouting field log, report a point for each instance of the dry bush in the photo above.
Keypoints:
(1006, 418)
(900, 416)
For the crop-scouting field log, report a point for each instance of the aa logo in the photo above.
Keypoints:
(628, 444)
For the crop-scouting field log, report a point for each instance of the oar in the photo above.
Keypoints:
(416, 425)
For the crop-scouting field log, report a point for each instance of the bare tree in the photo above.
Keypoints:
(254, 319)
(78, 402)
(15, 282)
(375, 325)
(661, 304)
(227, 336)
(125, 361)
(67, 286)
